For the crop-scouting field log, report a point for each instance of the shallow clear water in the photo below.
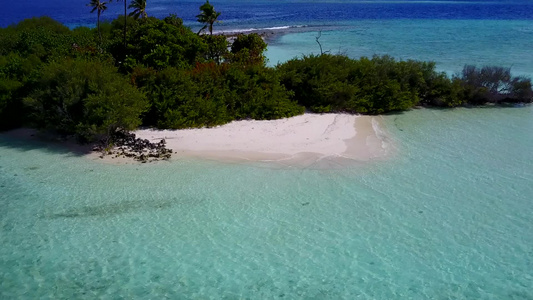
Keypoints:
(450, 216)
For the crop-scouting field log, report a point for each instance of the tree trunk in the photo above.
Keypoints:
(98, 26)
(125, 24)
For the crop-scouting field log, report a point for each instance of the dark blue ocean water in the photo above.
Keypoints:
(242, 14)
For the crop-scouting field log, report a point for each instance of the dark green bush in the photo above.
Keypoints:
(386, 85)
(248, 49)
(48, 40)
(258, 94)
(320, 83)
(217, 48)
(160, 44)
(180, 99)
(11, 109)
(326, 83)
(85, 98)
(17, 74)
(212, 94)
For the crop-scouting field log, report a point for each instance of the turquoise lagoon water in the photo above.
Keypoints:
(449, 216)
(450, 44)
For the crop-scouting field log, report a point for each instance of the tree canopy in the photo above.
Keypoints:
(85, 82)
(99, 7)
(139, 9)
(208, 16)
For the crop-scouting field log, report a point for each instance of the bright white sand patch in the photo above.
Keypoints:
(317, 140)
(303, 139)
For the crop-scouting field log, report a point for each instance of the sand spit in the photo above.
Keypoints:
(331, 139)
(309, 140)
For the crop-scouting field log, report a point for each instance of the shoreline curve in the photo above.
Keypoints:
(323, 140)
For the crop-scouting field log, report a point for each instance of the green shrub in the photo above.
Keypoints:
(182, 100)
(258, 94)
(217, 48)
(17, 74)
(212, 94)
(85, 98)
(248, 49)
(160, 44)
(326, 83)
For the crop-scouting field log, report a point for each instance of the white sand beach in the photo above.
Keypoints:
(321, 140)
(301, 140)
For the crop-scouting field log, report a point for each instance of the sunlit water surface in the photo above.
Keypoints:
(450, 216)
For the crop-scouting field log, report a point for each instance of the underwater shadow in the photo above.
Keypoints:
(108, 210)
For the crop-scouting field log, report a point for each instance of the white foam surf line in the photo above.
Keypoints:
(253, 29)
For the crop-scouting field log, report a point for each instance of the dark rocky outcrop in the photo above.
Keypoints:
(122, 143)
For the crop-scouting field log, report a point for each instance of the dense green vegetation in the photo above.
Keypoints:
(74, 82)
(84, 97)
(327, 83)
(141, 70)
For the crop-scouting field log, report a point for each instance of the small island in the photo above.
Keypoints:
(149, 156)
(98, 84)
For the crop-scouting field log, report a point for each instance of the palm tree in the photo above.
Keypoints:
(208, 16)
(139, 7)
(99, 7)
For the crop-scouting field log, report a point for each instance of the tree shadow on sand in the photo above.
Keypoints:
(25, 139)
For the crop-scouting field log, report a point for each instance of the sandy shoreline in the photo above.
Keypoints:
(304, 140)
(321, 140)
